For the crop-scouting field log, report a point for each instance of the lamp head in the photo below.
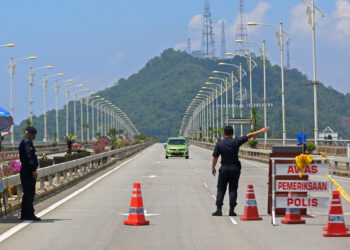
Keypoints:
(239, 41)
(10, 45)
(80, 85)
(60, 74)
(70, 80)
(86, 89)
(215, 72)
(252, 23)
(211, 77)
(48, 67)
(207, 82)
(32, 57)
(222, 63)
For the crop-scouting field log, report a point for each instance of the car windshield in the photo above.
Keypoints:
(177, 142)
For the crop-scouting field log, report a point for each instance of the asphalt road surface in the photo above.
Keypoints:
(178, 197)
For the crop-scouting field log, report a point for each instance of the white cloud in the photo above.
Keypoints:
(180, 46)
(343, 28)
(256, 15)
(299, 21)
(341, 21)
(196, 22)
(342, 8)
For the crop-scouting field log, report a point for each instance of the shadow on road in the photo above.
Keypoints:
(16, 220)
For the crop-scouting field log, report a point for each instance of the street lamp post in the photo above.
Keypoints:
(221, 93)
(67, 107)
(44, 82)
(11, 68)
(233, 80)
(263, 54)
(82, 115)
(30, 76)
(280, 36)
(313, 21)
(242, 73)
(57, 88)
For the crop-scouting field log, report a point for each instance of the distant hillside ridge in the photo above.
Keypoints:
(156, 97)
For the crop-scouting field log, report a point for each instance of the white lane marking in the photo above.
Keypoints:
(205, 185)
(17, 228)
(157, 162)
(151, 176)
(213, 196)
(233, 221)
(343, 178)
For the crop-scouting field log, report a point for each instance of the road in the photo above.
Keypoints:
(179, 196)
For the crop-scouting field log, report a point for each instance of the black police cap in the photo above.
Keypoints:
(31, 130)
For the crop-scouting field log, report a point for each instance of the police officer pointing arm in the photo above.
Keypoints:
(28, 173)
(230, 169)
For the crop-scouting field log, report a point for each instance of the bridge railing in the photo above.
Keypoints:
(70, 170)
(341, 164)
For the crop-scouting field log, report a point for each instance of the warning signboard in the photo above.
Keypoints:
(302, 202)
(292, 169)
(302, 186)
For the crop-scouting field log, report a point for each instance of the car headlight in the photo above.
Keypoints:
(186, 148)
(167, 148)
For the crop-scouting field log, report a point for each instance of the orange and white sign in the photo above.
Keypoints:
(302, 186)
(302, 202)
(292, 169)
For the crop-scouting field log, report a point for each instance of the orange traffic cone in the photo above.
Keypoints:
(333, 202)
(336, 225)
(136, 213)
(250, 208)
(292, 215)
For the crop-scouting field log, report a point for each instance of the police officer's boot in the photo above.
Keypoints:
(218, 212)
(232, 212)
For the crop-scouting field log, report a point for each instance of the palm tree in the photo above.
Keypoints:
(70, 139)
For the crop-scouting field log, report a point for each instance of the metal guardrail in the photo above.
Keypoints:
(46, 150)
(263, 155)
(72, 167)
(320, 142)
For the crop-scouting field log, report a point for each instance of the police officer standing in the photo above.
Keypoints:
(28, 173)
(230, 169)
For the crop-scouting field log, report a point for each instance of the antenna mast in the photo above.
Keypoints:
(208, 42)
(242, 31)
(223, 40)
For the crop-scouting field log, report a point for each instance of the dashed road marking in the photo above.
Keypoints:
(233, 221)
(213, 196)
(205, 185)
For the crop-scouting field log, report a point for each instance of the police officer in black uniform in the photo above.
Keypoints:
(28, 173)
(230, 169)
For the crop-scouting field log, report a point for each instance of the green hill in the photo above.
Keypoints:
(157, 96)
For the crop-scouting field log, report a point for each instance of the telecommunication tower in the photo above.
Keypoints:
(288, 57)
(241, 31)
(208, 42)
(223, 40)
(189, 46)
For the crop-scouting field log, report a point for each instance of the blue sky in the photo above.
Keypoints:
(98, 42)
